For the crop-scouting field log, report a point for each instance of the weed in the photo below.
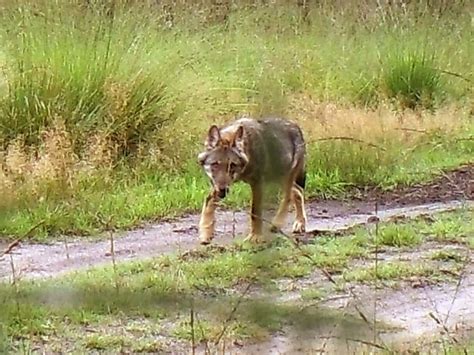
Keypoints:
(447, 255)
(412, 78)
(312, 294)
(390, 271)
(104, 342)
(399, 235)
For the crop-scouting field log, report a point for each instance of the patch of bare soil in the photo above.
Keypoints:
(457, 184)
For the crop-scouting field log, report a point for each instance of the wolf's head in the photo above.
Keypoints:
(224, 158)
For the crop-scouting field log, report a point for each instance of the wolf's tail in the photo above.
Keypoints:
(301, 179)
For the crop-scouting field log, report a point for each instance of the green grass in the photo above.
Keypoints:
(392, 271)
(143, 304)
(412, 79)
(396, 235)
(150, 92)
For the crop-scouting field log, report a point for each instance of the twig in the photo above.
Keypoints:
(365, 342)
(464, 139)
(234, 221)
(372, 145)
(325, 273)
(458, 286)
(114, 264)
(191, 322)
(411, 130)
(203, 336)
(454, 74)
(12, 265)
(376, 267)
(232, 313)
(16, 242)
(66, 244)
(10, 247)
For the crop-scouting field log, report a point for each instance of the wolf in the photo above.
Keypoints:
(257, 152)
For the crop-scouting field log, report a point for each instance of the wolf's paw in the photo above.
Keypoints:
(254, 238)
(275, 229)
(205, 239)
(299, 227)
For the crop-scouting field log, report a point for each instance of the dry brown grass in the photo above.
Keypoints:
(323, 120)
(382, 126)
(53, 166)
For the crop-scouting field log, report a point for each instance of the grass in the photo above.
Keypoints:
(396, 235)
(392, 271)
(103, 111)
(143, 305)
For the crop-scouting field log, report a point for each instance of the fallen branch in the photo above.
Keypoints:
(16, 242)
(344, 138)
(232, 313)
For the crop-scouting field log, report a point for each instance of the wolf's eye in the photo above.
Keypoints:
(233, 166)
(214, 165)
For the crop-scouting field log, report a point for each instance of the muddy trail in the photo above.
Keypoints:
(414, 310)
(48, 260)
(449, 191)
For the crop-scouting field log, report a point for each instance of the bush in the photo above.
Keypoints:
(83, 69)
(412, 79)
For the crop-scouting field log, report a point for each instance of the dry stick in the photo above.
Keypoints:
(232, 313)
(191, 322)
(376, 268)
(66, 244)
(453, 74)
(411, 130)
(344, 138)
(10, 247)
(234, 221)
(16, 242)
(365, 342)
(112, 252)
(467, 261)
(443, 324)
(206, 342)
(12, 265)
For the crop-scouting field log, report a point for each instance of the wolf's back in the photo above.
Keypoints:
(274, 148)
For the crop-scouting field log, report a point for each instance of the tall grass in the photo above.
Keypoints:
(103, 107)
(95, 74)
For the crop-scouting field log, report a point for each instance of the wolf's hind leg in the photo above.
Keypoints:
(280, 217)
(206, 224)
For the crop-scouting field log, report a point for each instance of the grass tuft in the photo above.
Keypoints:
(412, 79)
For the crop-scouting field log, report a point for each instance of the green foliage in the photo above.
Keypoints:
(95, 73)
(150, 90)
(397, 235)
(413, 79)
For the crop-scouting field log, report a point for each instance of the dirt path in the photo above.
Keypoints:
(47, 260)
(408, 312)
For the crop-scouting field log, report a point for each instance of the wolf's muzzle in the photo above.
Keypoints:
(222, 192)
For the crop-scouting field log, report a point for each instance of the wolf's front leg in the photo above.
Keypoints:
(206, 224)
(256, 222)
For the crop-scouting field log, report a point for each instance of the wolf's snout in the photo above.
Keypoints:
(222, 192)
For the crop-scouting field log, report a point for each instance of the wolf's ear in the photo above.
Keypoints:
(213, 137)
(202, 157)
(239, 138)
